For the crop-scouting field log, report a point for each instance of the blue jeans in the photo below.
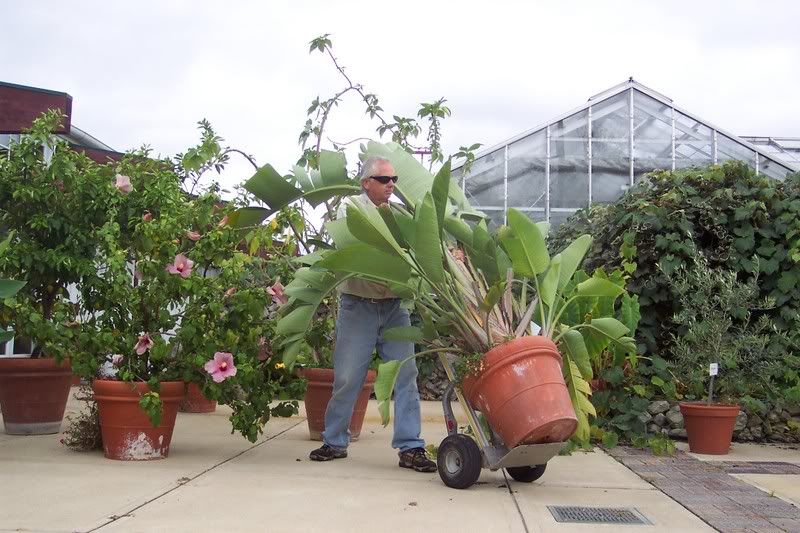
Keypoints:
(359, 330)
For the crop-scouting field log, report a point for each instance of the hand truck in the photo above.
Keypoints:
(461, 457)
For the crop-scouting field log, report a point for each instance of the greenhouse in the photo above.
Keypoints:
(593, 154)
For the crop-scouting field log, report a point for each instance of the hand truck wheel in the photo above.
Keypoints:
(526, 474)
(459, 461)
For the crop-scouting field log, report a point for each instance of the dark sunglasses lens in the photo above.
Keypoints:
(385, 179)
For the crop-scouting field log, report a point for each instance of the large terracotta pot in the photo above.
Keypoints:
(127, 432)
(709, 427)
(318, 394)
(33, 394)
(196, 402)
(521, 392)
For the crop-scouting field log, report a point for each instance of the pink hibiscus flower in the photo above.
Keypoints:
(230, 292)
(144, 344)
(276, 291)
(221, 367)
(148, 216)
(123, 184)
(182, 265)
(223, 222)
(116, 360)
(193, 235)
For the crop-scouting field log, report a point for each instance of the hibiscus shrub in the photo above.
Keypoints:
(173, 298)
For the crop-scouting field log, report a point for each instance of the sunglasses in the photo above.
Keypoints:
(385, 179)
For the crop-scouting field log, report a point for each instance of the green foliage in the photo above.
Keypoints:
(745, 223)
(719, 324)
(53, 213)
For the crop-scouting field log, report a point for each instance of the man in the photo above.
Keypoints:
(366, 310)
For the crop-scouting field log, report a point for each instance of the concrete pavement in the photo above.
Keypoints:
(215, 481)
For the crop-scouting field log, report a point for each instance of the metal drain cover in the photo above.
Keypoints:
(596, 515)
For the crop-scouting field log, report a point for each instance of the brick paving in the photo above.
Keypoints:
(707, 490)
(759, 467)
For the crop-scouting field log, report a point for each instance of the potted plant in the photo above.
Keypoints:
(719, 327)
(54, 209)
(461, 281)
(169, 268)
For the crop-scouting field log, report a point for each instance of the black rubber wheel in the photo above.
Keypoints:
(526, 474)
(459, 461)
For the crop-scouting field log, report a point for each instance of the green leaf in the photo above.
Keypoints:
(598, 287)
(10, 287)
(576, 348)
(611, 327)
(458, 229)
(391, 222)
(404, 334)
(246, 217)
(549, 284)
(427, 245)
(368, 261)
(367, 226)
(610, 439)
(303, 178)
(6, 336)
(571, 258)
(533, 247)
(384, 385)
(440, 193)
(332, 167)
(272, 188)
(493, 296)
(323, 194)
(339, 233)
(297, 321)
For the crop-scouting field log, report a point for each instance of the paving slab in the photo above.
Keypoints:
(747, 451)
(275, 487)
(82, 490)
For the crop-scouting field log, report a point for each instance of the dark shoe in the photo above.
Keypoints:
(417, 459)
(326, 453)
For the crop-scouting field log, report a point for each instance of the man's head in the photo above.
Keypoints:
(374, 172)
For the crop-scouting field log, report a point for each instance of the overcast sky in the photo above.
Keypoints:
(145, 72)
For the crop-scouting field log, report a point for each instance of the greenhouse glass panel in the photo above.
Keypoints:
(610, 118)
(771, 168)
(457, 175)
(610, 170)
(652, 134)
(693, 142)
(728, 149)
(574, 126)
(527, 158)
(485, 183)
(559, 217)
(569, 175)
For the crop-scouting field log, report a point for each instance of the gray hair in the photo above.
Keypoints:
(370, 166)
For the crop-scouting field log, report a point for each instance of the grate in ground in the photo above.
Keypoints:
(596, 515)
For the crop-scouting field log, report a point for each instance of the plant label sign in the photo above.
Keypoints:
(713, 369)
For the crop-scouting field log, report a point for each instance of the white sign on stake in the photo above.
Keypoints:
(713, 369)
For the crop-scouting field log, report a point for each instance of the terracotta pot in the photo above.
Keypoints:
(521, 392)
(196, 402)
(127, 432)
(33, 394)
(709, 427)
(318, 394)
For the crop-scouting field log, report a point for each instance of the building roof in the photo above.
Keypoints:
(786, 154)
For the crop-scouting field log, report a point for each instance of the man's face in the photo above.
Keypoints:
(379, 192)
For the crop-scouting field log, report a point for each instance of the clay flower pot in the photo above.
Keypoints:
(127, 432)
(318, 394)
(33, 394)
(709, 427)
(196, 402)
(521, 392)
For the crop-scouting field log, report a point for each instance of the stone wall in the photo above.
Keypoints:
(778, 425)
